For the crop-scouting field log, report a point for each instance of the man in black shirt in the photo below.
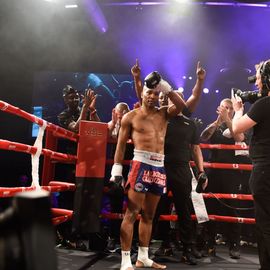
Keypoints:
(181, 144)
(73, 114)
(70, 119)
(258, 118)
(224, 180)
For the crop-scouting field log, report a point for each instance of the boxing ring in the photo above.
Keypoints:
(90, 162)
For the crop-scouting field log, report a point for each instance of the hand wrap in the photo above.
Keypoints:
(116, 184)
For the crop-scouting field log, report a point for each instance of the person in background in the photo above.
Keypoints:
(117, 114)
(258, 118)
(117, 198)
(224, 180)
(73, 114)
(70, 119)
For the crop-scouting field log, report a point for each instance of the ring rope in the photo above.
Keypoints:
(53, 187)
(244, 167)
(229, 206)
(20, 147)
(61, 215)
(224, 146)
(58, 131)
(175, 218)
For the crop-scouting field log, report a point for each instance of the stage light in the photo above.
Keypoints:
(184, 77)
(182, 1)
(96, 15)
(181, 89)
(206, 90)
(217, 91)
(71, 6)
(190, 78)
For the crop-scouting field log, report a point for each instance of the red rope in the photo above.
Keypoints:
(64, 185)
(223, 146)
(4, 106)
(242, 197)
(54, 187)
(244, 167)
(20, 147)
(175, 218)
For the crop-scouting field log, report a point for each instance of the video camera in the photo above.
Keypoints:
(251, 96)
(27, 237)
(247, 96)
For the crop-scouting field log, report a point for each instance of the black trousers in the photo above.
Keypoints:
(224, 181)
(260, 188)
(179, 182)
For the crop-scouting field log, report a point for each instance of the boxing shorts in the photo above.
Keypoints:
(147, 173)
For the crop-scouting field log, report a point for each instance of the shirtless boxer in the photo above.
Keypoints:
(147, 180)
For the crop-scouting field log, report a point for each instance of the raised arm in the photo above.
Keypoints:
(136, 73)
(112, 123)
(178, 104)
(229, 133)
(74, 125)
(240, 122)
(193, 100)
(92, 97)
(208, 132)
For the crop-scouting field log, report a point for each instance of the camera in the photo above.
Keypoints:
(27, 237)
(247, 96)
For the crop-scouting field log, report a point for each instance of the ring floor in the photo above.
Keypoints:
(83, 260)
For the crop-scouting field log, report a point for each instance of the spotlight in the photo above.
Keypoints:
(181, 89)
(206, 90)
(184, 77)
(71, 6)
(217, 91)
(190, 78)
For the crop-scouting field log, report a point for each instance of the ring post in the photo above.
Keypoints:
(90, 172)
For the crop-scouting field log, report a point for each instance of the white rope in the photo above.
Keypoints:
(198, 202)
(35, 157)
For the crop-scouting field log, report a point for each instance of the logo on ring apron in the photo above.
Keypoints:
(93, 132)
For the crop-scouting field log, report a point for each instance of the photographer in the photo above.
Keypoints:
(258, 118)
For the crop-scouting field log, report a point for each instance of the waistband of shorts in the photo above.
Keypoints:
(151, 158)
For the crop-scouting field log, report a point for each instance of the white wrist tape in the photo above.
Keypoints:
(117, 169)
(164, 87)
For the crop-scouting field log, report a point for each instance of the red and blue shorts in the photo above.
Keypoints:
(147, 173)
